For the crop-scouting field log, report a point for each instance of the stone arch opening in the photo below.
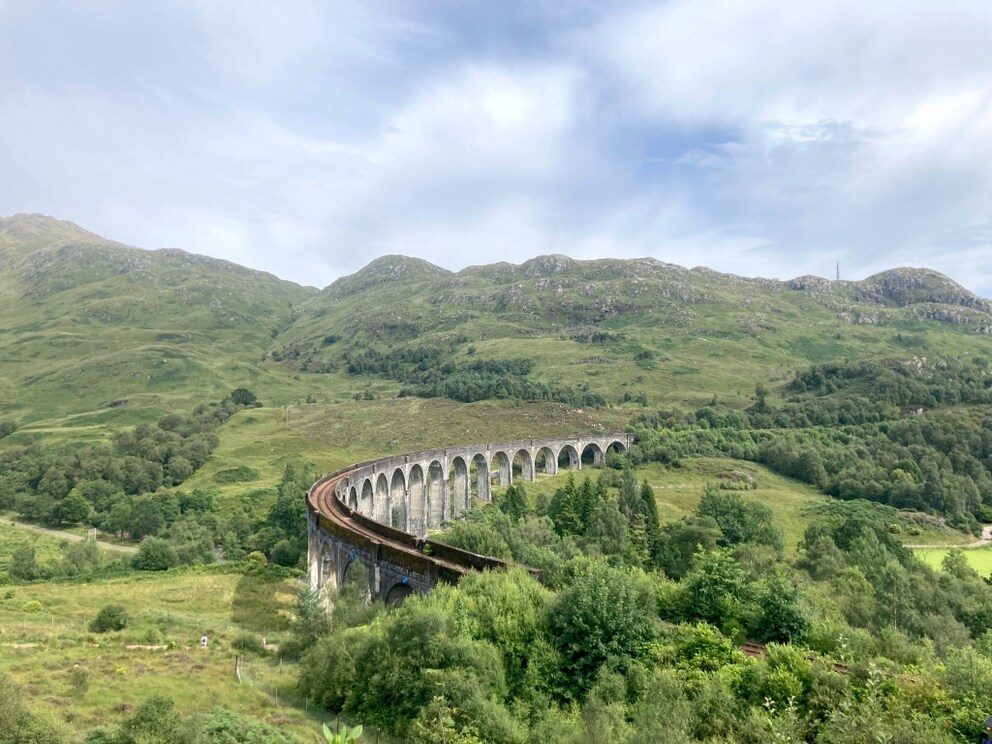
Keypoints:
(397, 593)
(356, 575)
(479, 480)
(615, 451)
(365, 505)
(592, 454)
(568, 458)
(502, 468)
(545, 462)
(417, 497)
(434, 510)
(398, 499)
(381, 513)
(353, 499)
(458, 487)
(523, 465)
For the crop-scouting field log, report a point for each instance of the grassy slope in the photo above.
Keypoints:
(40, 650)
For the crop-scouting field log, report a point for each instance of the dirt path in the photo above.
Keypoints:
(983, 541)
(69, 536)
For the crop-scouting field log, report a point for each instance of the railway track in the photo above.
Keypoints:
(325, 503)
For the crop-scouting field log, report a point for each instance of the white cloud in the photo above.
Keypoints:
(305, 138)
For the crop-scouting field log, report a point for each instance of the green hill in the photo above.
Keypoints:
(88, 321)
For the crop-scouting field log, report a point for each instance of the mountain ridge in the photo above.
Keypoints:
(90, 321)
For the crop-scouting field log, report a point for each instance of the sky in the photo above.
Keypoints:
(758, 137)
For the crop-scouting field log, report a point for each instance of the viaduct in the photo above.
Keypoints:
(379, 512)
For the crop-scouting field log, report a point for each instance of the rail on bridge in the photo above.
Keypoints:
(379, 512)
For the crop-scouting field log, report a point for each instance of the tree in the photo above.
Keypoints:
(243, 397)
(7, 428)
(714, 588)
(73, 509)
(513, 501)
(155, 554)
(147, 517)
(23, 565)
(606, 615)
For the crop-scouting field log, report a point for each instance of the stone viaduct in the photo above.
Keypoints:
(379, 512)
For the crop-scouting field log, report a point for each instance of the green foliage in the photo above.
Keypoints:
(23, 564)
(345, 735)
(7, 428)
(604, 616)
(155, 554)
(243, 397)
(844, 432)
(18, 723)
(110, 617)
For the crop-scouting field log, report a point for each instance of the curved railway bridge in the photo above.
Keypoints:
(379, 512)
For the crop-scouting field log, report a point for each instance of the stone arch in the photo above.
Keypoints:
(381, 502)
(523, 465)
(568, 458)
(434, 510)
(592, 454)
(417, 497)
(349, 574)
(616, 447)
(502, 467)
(365, 501)
(398, 498)
(545, 461)
(481, 483)
(397, 593)
(353, 499)
(459, 493)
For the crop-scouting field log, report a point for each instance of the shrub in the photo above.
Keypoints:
(110, 617)
(257, 558)
(247, 642)
(155, 554)
(32, 606)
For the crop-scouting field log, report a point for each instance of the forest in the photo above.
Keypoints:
(634, 633)
(915, 438)
(132, 490)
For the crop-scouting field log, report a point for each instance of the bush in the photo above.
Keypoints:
(247, 642)
(155, 554)
(32, 606)
(110, 617)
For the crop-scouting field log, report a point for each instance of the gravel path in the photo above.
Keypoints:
(69, 536)
(983, 541)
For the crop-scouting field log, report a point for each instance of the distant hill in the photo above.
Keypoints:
(89, 322)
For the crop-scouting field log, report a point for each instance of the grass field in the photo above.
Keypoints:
(158, 652)
(979, 558)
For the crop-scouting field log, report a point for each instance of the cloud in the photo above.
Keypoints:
(853, 131)
(305, 138)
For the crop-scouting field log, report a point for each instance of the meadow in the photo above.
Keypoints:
(979, 559)
(158, 653)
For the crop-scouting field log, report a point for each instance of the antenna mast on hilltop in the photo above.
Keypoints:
(838, 271)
